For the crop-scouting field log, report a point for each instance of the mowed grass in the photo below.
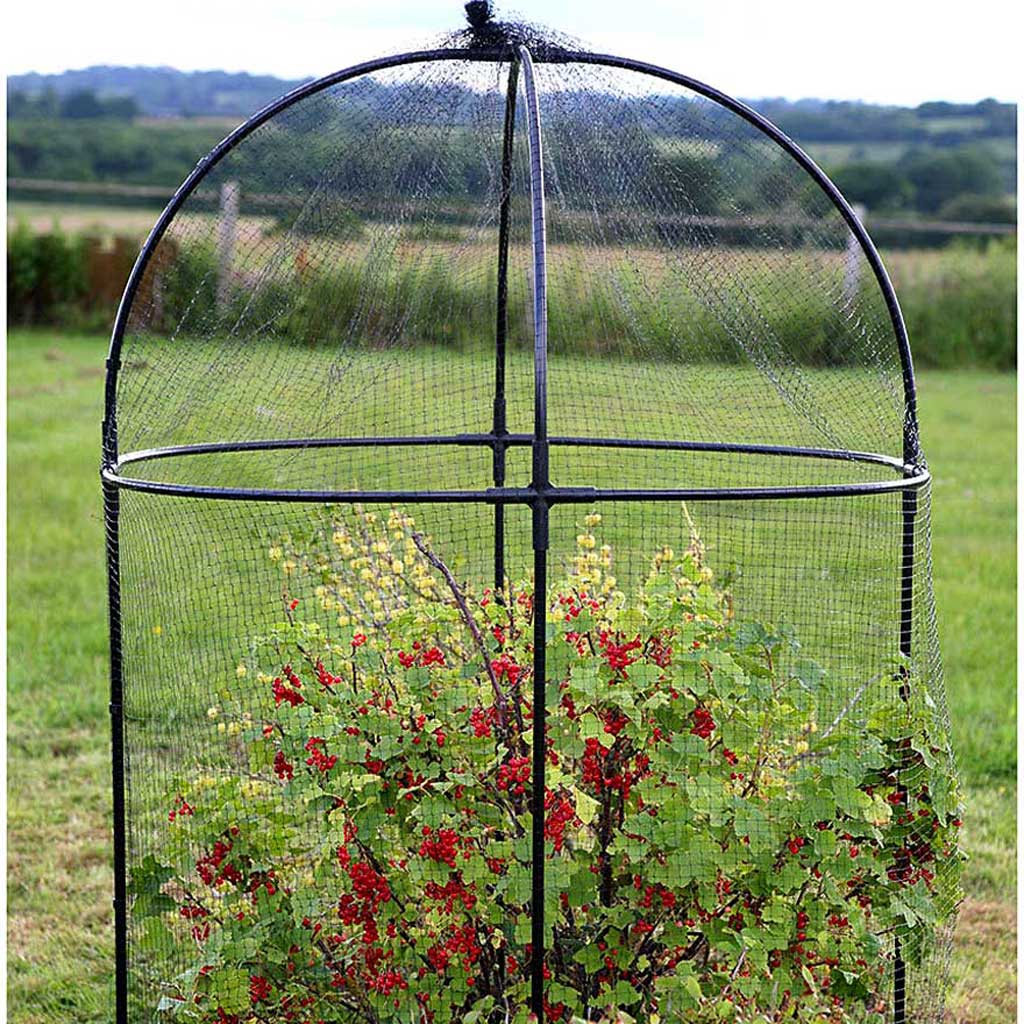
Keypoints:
(59, 927)
(105, 222)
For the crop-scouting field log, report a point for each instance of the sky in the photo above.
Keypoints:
(881, 51)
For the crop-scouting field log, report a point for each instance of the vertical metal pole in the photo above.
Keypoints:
(540, 570)
(909, 509)
(500, 427)
(111, 518)
(541, 486)
(911, 455)
(899, 987)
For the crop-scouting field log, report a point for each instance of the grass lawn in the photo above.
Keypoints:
(59, 926)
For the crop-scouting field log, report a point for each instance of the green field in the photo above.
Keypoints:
(959, 302)
(59, 925)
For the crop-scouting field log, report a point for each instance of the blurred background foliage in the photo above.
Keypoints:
(94, 154)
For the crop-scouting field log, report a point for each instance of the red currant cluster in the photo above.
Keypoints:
(703, 723)
(666, 897)
(594, 755)
(481, 720)
(325, 678)
(442, 847)
(318, 758)
(619, 655)
(214, 867)
(452, 892)
(370, 891)
(559, 814)
(282, 769)
(614, 721)
(503, 665)
(460, 942)
(180, 807)
(513, 775)
(259, 989)
(287, 693)
(425, 657)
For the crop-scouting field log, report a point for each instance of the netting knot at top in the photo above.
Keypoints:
(485, 32)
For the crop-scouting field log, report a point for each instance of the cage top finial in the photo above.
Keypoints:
(479, 13)
(484, 30)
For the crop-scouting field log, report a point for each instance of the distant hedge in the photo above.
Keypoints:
(46, 278)
(961, 309)
(63, 280)
(960, 304)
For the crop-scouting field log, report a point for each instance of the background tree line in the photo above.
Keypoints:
(150, 125)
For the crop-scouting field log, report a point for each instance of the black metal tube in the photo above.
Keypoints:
(221, 150)
(899, 987)
(291, 443)
(540, 486)
(111, 519)
(907, 574)
(537, 896)
(522, 495)
(576, 495)
(499, 424)
(730, 447)
(509, 441)
(781, 139)
(909, 509)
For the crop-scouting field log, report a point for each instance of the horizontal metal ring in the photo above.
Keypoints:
(910, 477)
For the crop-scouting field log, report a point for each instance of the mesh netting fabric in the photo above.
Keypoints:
(325, 379)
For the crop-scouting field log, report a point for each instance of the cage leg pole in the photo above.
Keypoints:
(909, 504)
(499, 426)
(111, 518)
(540, 504)
(537, 896)
(909, 514)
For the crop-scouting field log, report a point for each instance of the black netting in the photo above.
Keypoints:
(334, 478)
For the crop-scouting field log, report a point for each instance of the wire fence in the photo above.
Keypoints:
(158, 195)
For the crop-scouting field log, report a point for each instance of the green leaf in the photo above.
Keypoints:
(809, 674)
(589, 956)
(751, 822)
(586, 806)
(849, 799)
(624, 994)
(229, 988)
(150, 903)
(825, 843)
(149, 876)
(154, 936)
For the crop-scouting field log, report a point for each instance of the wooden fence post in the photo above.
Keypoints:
(854, 260)
(227, 231)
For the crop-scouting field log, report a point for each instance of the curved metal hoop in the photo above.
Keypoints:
(906, 476)
(911, 448)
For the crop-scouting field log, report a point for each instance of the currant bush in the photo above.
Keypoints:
(731, 833)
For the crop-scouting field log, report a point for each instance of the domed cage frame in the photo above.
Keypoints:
(905, 474)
